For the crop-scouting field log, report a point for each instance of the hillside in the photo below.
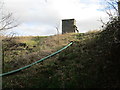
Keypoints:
(87, 63)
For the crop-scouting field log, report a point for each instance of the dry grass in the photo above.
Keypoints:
(93, 31)
(44, 46)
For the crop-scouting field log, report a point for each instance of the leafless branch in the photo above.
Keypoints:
(7, 21)
(111, 6)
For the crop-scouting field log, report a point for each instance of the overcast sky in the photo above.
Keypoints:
(40, 17)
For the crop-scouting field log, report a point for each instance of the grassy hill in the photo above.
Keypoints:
(92, 61)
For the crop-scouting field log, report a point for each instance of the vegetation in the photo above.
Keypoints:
(92, 61)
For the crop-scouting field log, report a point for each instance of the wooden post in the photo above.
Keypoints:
(0, 63)
(2, 58)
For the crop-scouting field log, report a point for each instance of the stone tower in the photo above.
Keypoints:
(69, 26)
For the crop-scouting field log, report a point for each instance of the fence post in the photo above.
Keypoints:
(2, 58)
(1, 62)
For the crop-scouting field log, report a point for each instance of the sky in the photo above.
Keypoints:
(41, 17)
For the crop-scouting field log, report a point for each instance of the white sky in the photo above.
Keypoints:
(40, 17)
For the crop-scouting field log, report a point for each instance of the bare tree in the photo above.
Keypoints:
(119, 7)
(7, 21)
(112, 8)
(57, 33)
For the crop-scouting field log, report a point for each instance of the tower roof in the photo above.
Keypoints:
(67, 19)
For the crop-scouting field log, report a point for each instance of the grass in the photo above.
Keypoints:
(85, 64)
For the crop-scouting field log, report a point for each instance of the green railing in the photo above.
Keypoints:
(17, 70)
